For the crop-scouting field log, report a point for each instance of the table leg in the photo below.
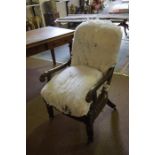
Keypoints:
(70, 48)
(70, 51)
(53, 57)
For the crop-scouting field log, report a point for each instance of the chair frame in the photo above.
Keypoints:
(97, 103)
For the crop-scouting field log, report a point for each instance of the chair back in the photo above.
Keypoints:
(96, 44)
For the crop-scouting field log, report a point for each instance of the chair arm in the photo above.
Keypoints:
(47, 74)
(106, 77)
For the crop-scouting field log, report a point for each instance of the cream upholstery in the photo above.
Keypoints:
(67, 90)
(96, 44)
(95, 49)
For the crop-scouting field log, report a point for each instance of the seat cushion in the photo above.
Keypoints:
(67, 90)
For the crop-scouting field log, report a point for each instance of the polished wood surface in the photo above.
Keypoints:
(46, 34)
(46, 38)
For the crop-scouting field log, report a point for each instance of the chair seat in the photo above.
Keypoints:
(67, 90)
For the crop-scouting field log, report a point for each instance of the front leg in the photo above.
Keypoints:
(90, 133)
(49, 110)
(112, 105)
(89, 129)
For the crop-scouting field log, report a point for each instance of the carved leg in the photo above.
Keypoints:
(90, 132)
(125, 31)
(49, 110)
(110, 104)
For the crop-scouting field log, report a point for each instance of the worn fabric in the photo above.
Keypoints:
(67, 90)
(95, 48)
(96, 44)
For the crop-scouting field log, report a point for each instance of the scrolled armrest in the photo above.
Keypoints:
(90, 95)
(43, 77)
(106, 77)
(48, 74)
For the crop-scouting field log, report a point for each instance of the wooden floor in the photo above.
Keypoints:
(64, 136)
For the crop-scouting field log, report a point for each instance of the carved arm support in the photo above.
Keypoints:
(91, 95)
(48, 74)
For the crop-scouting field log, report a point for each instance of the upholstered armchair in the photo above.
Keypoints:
(79, 88)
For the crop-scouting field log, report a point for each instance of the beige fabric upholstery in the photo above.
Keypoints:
(95, 48)
(96, 44)
(67, 90)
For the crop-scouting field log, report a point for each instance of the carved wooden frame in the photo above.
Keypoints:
(97, 103)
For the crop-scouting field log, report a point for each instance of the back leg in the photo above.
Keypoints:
(112, 105)
(90, 132)
(49, 110)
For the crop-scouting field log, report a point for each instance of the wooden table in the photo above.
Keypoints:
(107, 14)
(46, 38)
(78, 18)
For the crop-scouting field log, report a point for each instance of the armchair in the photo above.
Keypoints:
(79, 89)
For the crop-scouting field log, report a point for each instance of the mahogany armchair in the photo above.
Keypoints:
(79, 89)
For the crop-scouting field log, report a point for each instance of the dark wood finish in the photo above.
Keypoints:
(110, 104)
(124, 25)
(49, 110)
(53, 57)
(48, 74)
(45, 38)
(70, 49)
(92, 93)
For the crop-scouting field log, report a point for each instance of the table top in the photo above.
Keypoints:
(84, 17)
(46, 34)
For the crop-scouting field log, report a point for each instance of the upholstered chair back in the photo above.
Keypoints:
(96, 44)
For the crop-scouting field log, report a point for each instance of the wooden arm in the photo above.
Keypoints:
(47, 74)
(91, 95)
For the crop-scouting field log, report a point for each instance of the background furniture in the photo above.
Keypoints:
(96, 6)
(45, 38)
(78, 18)
(121, 17)
(33, 8)
(80, 91)
(61, 9)
(50, 13)
(75, 19)
(119, 8)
